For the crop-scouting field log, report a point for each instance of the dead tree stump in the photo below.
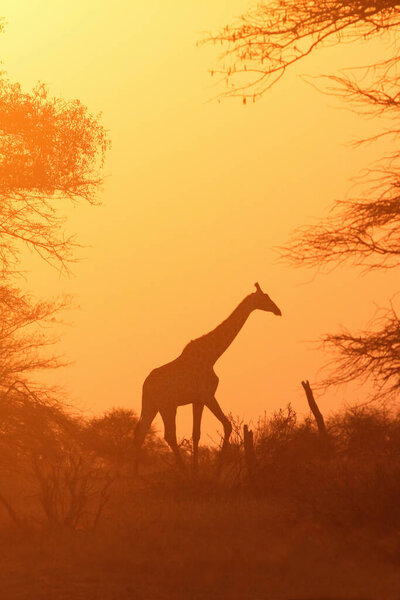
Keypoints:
(323, 434)
(249, 453)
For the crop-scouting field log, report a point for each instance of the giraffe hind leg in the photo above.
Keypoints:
(215, 408)
(169, 418)
(197, 414)
(143, 425)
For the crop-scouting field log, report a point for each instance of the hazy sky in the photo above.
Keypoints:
(196, 196)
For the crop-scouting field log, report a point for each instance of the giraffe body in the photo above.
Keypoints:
(191, 379)
(184, 382)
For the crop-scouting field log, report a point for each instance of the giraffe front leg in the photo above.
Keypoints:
(197, 413)
(217, 411)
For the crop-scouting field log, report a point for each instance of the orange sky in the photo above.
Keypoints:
(196, 196)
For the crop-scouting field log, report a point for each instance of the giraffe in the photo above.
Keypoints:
(190, 379)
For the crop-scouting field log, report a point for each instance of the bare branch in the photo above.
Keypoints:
(273, 36)
(372, 355)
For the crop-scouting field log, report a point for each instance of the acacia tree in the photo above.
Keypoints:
(51, 152)
(259, 48)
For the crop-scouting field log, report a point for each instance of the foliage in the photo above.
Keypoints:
(70, 481)
(50, 149)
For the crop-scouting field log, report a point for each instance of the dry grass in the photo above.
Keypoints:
(239, 547)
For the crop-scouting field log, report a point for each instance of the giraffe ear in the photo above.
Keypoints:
(258, 288)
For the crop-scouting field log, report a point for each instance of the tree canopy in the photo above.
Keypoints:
(50, 149)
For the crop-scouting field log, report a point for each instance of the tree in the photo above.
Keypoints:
(364, 231)
(272, 37)
(21, 340)
(371, 354)
(51, 151)
(112, 436)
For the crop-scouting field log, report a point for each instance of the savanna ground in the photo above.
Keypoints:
(309, 519)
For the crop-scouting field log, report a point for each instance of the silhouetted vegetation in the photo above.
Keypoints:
(271, 37)
(51, 151)
(355, 483)
(68, 489)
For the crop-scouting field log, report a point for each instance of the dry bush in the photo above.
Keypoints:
(357, 485)
(77, 468)
(65, 485)
(112, 434)
(73, 485)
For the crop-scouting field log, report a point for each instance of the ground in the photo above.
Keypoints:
(208, 548)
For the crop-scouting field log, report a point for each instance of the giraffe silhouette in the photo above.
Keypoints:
(190, 379)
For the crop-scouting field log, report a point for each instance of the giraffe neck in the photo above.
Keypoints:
(211, 346)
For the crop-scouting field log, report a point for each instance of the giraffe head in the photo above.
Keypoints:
(264, 302)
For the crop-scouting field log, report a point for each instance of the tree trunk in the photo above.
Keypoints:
(324, 435)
